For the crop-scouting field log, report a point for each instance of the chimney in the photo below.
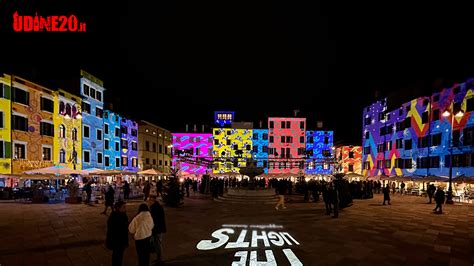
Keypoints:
(187, 127)
(111, 107)
(296, 112)
(202, 128)
(261, 124)
(195, 128)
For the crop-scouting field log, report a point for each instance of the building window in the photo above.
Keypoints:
(289, 139)
(124, 130)
(228, 142)
(47, 105)
(86, 107)
(124, 144)
(302, 125)
(160, 148)
(255, 135)
(2, 118)
(367, 150)
(216, 142)
(161, 162)
(107, 161)
(351, 154)
(86, 90)
(46, 154)
(47, 129)
(326, 140)
(154, 161)
(271, 139)
(134, 146)
(134, 133)
(106, 128)
(99, 134)
(20, 123)
(282, 139)
(166, 163)
(326, 153)
(86, 132)
(99, 112)
(388, 163)
(106, 116)
(435, 115)
(62, 156)
(351, 168)
(147, 161)
(424, 117)
(99, 157)
(21, 96)
(272, 124)
(117, 146)
(153, 147)
(117, 162)
(436, 139)
(134, 162)
(62, 131)
(288, 124)
(283, 124)
(106, 144)
(264, 136)
(92, 93)
(456, 136)
(265, 149)
(98, 96)
(117, 132)
(408, 144)
(147, 145)
(399, 143)
(87, 156)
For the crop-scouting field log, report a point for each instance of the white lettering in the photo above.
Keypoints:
(294, 261)
(286, 239)
(256, 237)
(276, 239)
(243, 258)
(240, 241)
(208, 245)
(269, 262)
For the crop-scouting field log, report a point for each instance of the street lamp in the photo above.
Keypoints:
(459, 114)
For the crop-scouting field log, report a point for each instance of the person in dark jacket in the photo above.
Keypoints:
(439, 199)
(109, 199)
(326, 198)
(88, 190)
(126, 190)
(146, 190)
(386, 195)
(334, 199)
(430, 191)
(159, 228)
(117, 233)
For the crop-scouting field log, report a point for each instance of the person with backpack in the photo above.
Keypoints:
(117, 233)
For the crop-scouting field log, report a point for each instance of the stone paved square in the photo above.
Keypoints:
(367, 233)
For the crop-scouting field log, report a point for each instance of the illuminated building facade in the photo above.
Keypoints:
(129, 144)
(92, 91)
(67, 120)
(112, 141)
(155, 145)
(260, 148)
(231, 148)
(319, 146)
(192, 146)
(5, 125)
(415, 138)
(32, 126)
(348, 159)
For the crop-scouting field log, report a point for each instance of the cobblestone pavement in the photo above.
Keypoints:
(367, 233)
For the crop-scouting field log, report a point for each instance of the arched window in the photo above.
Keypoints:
(62, 131)
(62, 108)
(68, 110)
(74, 134)
(62, 156)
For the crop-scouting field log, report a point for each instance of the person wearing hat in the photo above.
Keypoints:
(158, 215)
(117, 232)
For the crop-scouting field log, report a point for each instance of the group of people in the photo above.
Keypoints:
(147, 228)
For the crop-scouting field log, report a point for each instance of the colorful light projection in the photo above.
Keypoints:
(195, 146)
(5, 130)
(319, 145)
(112, 139)
(349, 159)
(260, 148)
(414, 139)
(129, 144)
(231, 148)
(254, 237)
(286, 144)
(223, 118)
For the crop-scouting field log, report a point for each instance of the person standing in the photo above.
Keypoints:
(146, 190)
(159, 228)
(109, 199)
(430, 191)
(334, 199)
(386, 195)
(439, 199)
(402, 188)
(117, 233)
(88, 190)
(126, 190)
(281, 194)
(141, 227)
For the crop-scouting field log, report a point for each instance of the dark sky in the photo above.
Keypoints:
(258, 58)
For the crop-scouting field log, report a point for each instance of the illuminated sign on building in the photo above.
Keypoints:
(271, 237)
(223, 117)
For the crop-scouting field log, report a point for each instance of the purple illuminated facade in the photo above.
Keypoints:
(193, 146)
(129, 144)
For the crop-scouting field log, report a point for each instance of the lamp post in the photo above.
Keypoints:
(459, 114)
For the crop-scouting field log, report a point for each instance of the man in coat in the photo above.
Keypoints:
(158, 215)
(439, 199)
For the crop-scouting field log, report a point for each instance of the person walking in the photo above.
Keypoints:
(146, 190)
(126, 190)
(141, 228)
(386, 195)
(88, 190)
(281, 194)
(158, 214)
(430, 191)
(326, 198)
(402, 188)
(109, 199)
(117, 233)
(334, 199)
(439, 199)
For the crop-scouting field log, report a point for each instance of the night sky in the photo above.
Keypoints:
(259, 58)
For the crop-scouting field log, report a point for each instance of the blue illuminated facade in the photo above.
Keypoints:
(319, 150)
(129, 144)
(260, 148)
(92, 91)
(112, 154)
(223, 118)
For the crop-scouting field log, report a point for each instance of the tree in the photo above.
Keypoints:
(172, 193)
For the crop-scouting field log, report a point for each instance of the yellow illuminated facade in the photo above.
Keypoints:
(231, 148)
(68, 130)
(5, 125)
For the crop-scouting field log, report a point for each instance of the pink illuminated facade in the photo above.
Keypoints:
(286, 140)
(196, 146)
